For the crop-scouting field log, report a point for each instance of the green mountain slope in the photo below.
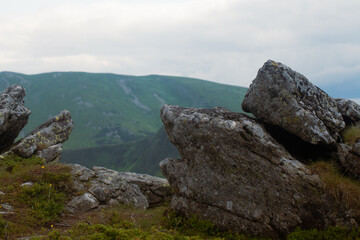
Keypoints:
(141, 156)
(110, 108)
(116, 116)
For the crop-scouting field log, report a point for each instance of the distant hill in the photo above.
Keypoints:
(142, 156)
(114, 111)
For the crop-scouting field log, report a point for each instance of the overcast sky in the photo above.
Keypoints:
(226, 41)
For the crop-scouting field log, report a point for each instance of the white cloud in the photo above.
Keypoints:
(220, 40)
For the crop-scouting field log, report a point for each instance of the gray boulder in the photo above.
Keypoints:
(157, 190)
(349, 157)
(110, 187)
(349, 110)
(285, 98)
(45, 140)
(82, 203)
(13, 115)
(235, 174)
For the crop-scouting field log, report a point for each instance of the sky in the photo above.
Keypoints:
(225, 41)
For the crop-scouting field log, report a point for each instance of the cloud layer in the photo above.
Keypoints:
(220, 40)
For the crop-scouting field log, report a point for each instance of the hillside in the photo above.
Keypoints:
(141, 156)
(115, 111)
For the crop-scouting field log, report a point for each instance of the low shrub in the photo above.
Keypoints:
(331, 233)
(13, 163)
(4, 225)
(45, 201)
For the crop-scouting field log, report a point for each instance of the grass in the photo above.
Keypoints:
(36, 206)
(351, 134)
(344, 189)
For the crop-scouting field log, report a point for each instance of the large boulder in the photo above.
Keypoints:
(13, 115)
(45, 141)
(235, 174)
(285, 98)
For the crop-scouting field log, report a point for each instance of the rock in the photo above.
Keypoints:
(82, 203)
(2, 193)
(81, 176)
(285, 98)
(27, 184)
(157, 190)
(109, 184)
(44, 140)
(233, 173)
(349, 157)
(52, 153)
(110, 187)
(349, 110)
(6, 207)
(13, 115)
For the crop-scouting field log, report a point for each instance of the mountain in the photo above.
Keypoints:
(116, 116)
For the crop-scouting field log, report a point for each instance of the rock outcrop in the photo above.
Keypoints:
(245, 174)
(349, 110)
(13, 115)
(105, 187)
(235, 174)
(45, 141)
(349, 157)
(285, 98)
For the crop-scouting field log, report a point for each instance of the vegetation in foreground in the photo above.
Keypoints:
(351, 134)
(39, 209)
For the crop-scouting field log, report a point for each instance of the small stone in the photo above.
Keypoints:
(2, 193)
(27, 184)
(82, 203)
(7, 207)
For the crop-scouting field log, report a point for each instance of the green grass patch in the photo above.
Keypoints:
(351, 134)
(45, 202)
(36, 206)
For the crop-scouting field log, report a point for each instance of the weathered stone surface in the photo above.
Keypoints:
(349, 157)
(285, 98)
(109, 184)
(52, 153)
(157, 190)
(110, 187)
(349, 110)
(235, 174)
(81, 176)
(45, 139)
(82, 203)
(13, 115)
